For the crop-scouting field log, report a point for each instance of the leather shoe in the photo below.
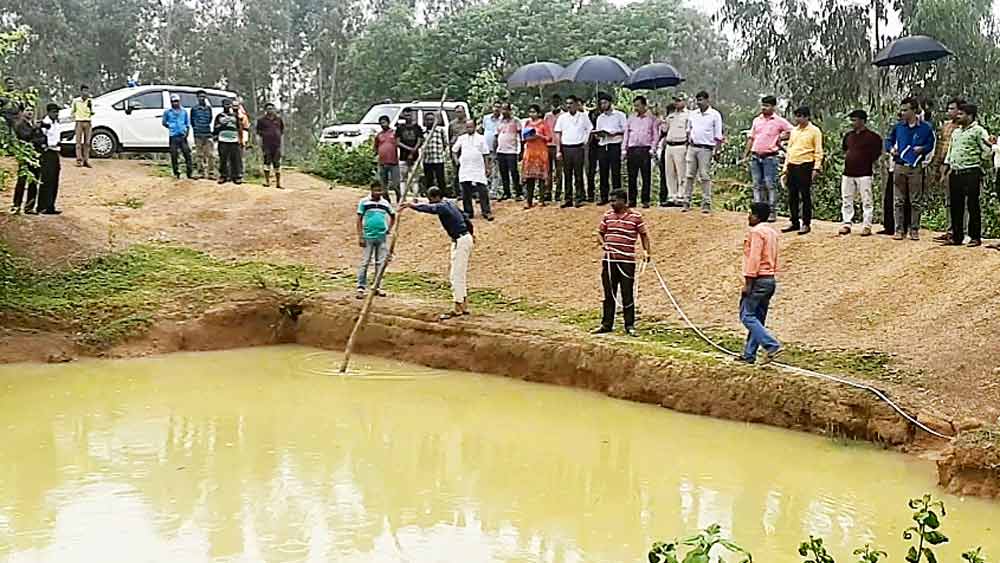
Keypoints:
(791, 229)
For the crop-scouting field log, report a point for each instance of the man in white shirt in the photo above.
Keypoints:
(704, 139)
(673, 152)
(573, 130)
(610, 133)
(50, 163)
(473, 155)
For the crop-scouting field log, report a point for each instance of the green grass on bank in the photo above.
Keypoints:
(657, 336)
(115, 296)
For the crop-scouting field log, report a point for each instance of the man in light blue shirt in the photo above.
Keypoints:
(491, 124)
(178, 123)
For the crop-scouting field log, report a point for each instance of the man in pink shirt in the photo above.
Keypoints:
(642, 135)
(760, 264)
(766, 134)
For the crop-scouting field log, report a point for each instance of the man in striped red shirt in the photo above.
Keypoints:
(620, 229)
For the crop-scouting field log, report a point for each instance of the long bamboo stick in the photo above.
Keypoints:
(393, 237)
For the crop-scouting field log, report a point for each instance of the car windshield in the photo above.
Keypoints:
(373, 115)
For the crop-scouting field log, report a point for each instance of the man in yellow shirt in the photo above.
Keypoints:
(802, 167)
(82, 112)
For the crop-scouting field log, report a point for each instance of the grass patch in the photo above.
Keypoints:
(111, 298)
(658, 337)
(129, 202)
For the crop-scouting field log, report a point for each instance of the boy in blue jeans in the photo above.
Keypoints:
(375, 217)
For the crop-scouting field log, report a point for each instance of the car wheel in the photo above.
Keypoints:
(103, 144)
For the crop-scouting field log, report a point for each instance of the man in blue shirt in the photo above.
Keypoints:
(459, 229)
(204, 145)
(911, 145)
(178, 123)
(375, 217)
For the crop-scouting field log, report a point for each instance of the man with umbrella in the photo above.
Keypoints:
(610, 134)
(572, 131)
(911, 145)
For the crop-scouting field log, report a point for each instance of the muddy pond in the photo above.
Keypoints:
(263, 455)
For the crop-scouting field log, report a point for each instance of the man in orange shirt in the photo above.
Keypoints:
(760, 263)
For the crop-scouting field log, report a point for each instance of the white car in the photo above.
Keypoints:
(130, 119)
(356, 134)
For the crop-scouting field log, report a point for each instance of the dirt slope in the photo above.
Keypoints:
(935, 308)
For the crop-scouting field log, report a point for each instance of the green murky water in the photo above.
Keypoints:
(256, 455)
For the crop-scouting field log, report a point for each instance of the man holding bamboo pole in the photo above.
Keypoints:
(459, 228)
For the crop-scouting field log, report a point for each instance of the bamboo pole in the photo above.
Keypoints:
(393, 237)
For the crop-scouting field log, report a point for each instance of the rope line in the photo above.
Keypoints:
(794, 369)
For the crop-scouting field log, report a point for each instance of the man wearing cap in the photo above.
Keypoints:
(204, 146)
(610, 131)
(862, 149)
(178, 123)
(766, 133)
(673, 152)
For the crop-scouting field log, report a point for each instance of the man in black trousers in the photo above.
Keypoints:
(51, 167)
(572, 131)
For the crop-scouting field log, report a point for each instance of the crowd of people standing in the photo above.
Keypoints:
(219, 136)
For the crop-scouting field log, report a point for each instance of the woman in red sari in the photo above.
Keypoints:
(535, 164)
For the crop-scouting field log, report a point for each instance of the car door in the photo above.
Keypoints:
(143, 121)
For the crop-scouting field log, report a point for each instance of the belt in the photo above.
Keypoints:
(465, 234)
(765, 154)
(710, 147)
(574, 146)
(676, 143)
(964, 171)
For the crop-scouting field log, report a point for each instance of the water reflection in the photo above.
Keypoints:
(248, 456)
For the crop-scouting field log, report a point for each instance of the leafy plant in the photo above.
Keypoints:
(974, 556)
(349, 166)
(868, 555)
(815, 551)
(925, 532)
(700, 545)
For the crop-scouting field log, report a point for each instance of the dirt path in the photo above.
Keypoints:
(934, 308)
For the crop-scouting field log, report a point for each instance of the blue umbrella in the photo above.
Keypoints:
(910, 50)
(597, 68)
(654, 76)
(535, 74)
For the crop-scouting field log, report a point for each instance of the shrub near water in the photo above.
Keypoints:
(924, 533)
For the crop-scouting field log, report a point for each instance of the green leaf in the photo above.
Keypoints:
(929, 554)
(935, 538)
(931, 520)
(912, 555)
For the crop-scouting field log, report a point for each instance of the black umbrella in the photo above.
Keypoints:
(654, 76)
(597, 68)
(535, 74)
(910, 50)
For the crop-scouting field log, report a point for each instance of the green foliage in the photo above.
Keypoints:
(356, 167)
(924, 533)
(10, 145)
(868, 555)
(974, 556)
(814, 551)
(485, 88)
(112, 297)
(701, 546)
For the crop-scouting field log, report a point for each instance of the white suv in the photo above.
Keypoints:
(356, 134)
(130, 119)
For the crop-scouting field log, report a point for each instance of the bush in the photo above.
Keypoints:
(355, 166)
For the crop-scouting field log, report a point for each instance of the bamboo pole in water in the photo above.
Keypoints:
(393, 236)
